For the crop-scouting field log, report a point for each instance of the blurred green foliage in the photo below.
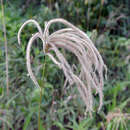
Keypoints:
(107, 22)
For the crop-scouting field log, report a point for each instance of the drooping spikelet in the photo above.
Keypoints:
(77, 42)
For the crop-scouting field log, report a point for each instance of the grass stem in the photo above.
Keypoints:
(6, 48)
(40, 101)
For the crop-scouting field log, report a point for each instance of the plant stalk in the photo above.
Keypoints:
(40, 101)
(6, 49)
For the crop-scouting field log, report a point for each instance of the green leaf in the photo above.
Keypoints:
(27, 121)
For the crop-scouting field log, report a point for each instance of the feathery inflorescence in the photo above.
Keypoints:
(74, 40)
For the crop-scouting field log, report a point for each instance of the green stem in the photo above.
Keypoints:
(39, 109)
(40, 101)
(6, 47)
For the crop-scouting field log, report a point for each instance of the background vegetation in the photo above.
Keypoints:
(107, 22)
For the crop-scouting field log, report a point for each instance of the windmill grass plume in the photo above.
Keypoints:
(77, 42)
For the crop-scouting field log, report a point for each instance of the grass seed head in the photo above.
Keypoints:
(77, 42)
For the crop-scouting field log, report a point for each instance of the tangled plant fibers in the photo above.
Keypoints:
(77, 42)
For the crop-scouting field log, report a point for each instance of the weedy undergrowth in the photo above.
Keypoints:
(72, 39)
(117, 120)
